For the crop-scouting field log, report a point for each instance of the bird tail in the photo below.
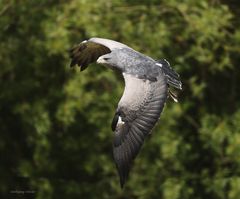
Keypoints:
(173, 78)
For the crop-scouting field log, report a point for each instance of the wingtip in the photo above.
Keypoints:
(72, 64)
(123, 175)
(122, 181)
(74, 53)
(83, 67)
(122, 184)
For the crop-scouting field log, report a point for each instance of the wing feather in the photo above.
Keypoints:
(136, 124)
(86, 53)
(90, 50)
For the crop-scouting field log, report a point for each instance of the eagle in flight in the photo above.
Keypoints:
(147, 86)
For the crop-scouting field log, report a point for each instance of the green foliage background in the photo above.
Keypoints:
(55, 136)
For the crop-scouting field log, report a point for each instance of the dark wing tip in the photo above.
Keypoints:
(123, 171)
(75, 54)
(126, 145)
(121, 151)
(123, 179)
(85, 53)
(73, 63)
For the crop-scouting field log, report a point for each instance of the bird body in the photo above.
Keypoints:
(132, 62)
(146, 90)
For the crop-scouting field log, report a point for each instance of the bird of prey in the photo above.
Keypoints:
(147, 86)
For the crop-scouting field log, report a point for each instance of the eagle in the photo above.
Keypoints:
(148, 84)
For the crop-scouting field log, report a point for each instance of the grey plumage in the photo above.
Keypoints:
(147, 84)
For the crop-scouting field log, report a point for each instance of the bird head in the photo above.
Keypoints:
(111, 60)
(104, 59)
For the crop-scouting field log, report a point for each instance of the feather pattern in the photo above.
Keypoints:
(147, 84)
(138, 122)
(87, 52)
(173, 78)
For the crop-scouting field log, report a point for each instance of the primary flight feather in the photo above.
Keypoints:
(146, 90)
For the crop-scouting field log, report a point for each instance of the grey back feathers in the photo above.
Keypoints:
(147, 84)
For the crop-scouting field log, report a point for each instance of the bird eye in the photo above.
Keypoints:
(106, 58)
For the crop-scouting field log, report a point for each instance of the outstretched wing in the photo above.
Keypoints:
(90, 50)
(138, 111)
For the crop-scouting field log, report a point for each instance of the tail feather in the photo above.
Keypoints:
(174, 83)
(173, 78)
(173, 95)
